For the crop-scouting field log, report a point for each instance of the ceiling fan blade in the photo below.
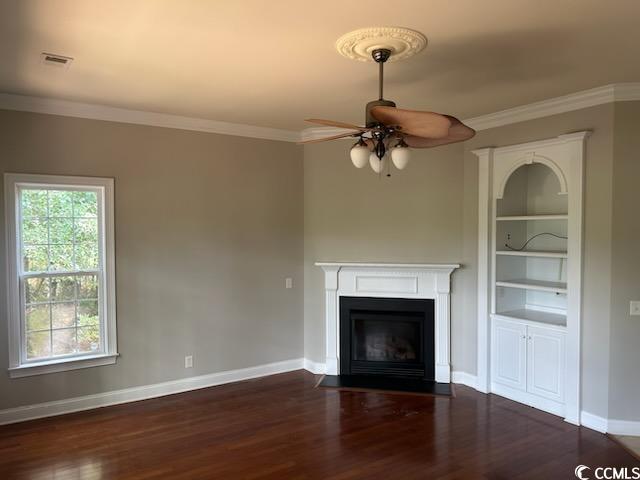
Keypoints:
(331, 123)
(458, 132)
(333, 137)
(413, 122)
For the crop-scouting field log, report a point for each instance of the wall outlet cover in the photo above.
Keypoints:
(634, 307)
(188, 361)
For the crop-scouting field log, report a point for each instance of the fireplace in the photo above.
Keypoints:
(389, 282)
(387, 337)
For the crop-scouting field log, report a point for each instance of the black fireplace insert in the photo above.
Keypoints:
(389, 337)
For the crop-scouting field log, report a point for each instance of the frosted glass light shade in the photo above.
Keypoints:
(360, 155)
(400, 156)
(376, 164)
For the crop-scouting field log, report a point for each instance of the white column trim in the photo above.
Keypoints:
(485, 161)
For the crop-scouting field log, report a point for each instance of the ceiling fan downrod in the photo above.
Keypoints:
(381, 55)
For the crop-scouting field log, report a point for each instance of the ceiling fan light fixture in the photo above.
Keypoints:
(360, 154)
(400, 155)
(377, 164)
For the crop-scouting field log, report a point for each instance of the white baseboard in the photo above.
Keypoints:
(464, 378)
(316, 368)
(624, 427)
(594, 422)
(612, 426)
(87, 402)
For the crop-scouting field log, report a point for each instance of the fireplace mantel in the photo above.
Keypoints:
(389, 280)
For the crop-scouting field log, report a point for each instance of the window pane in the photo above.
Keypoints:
(61, 257)
(35, 258)
(60, 236)
(85, 204)
(86, 230)
(86, 256)
(87, 286)
(63, 288)
(34, 231)
(38, 317)
(63, 315)
(37, 290)
(89, 339)
(34, 203)
(38, 344)
(60, 203)
(88, 312)
(64, 341)
(61, 231)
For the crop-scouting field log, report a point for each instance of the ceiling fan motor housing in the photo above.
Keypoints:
(370, 121)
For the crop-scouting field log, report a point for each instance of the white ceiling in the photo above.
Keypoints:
(273, 63)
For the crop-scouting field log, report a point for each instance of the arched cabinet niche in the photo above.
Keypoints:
(529, 272)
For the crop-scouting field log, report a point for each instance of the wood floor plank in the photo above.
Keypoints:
(282, 427)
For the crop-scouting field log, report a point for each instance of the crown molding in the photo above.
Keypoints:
(618, 92)
(67, 108)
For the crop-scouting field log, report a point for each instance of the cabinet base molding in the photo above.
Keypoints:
(529, 399)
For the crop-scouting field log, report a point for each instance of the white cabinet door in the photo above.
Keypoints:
(545, 363)
(509, 354)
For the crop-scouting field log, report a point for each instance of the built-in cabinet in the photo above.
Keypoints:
(530, 267)
(528, 363)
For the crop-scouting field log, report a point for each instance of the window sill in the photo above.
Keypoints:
(54, 366)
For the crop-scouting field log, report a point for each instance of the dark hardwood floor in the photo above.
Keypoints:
(281, 427)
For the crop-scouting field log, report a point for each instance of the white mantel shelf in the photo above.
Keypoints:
(418, 266)
(389, 280)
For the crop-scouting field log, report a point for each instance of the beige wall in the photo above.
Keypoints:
(624, 384)
(207, 229)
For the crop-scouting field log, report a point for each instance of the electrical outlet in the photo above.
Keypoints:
(634, 307)
(288, 282)
(188, 361)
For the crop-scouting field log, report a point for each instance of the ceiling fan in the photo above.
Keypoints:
(388, 130)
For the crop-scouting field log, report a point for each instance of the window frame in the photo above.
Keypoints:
(19, 366)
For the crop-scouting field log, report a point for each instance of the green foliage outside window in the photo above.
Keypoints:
(59, 233)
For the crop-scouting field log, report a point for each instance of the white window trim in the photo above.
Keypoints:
(18, 368)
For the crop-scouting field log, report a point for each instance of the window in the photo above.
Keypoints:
(61, 273)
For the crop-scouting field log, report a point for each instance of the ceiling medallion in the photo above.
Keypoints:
(360, 44)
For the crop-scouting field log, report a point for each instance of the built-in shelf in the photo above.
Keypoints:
(539, 285)
(531, 217)
(532, 253)
(535, 316)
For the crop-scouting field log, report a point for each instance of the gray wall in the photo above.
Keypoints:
(428, 213)
(201, 219)
(207, 228)
(624, 383)
(354, 215)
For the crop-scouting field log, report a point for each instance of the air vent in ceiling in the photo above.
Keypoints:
(54, 60)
